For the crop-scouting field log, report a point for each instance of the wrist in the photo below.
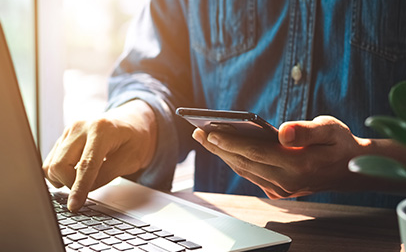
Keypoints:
(384, 147)
(380, 147)
(141, 118)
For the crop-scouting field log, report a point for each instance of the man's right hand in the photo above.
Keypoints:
(91, 153)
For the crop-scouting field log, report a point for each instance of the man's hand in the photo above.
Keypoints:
(312, 156)
(91, 153)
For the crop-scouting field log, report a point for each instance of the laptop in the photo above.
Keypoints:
(121, 216)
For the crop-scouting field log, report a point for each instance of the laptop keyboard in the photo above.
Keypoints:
(96, 228)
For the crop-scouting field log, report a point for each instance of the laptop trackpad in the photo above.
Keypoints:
(161, 208)
(148, 205)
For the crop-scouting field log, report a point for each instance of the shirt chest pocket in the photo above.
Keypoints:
(379, 26)
(220, 29)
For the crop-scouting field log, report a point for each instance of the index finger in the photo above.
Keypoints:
(87, 170)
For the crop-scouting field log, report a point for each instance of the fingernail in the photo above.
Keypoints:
(213, 139)
(289, 134)
(73, 203)
(197, 137)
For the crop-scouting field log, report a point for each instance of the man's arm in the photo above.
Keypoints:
(139, 133)
(92, 153)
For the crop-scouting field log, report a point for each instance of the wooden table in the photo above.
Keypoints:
(312, 226)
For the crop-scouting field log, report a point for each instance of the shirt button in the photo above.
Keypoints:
(296, 73)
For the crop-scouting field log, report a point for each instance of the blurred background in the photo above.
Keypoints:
(64, 76)
(94, 35)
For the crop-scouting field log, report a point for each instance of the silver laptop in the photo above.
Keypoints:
(121, 216)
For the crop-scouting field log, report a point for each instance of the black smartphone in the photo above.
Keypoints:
(235, 122)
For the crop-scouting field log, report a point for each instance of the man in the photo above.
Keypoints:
(286, 61)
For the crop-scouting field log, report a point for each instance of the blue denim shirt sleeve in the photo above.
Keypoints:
(164, 160)
(151, 61)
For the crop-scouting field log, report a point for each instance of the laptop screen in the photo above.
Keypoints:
(27, 221)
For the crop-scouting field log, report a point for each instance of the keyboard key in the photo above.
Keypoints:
(100, 236)
(102, 227)
(125, 237)
(88, 242)
(60, 210)
(135, 231)
(137, 242)
(60, 217)
(163, 234)
(102, 217)
(147, 236)
(190, 245)
(100, 247)
(123, 246)
(69, 214)
(124, 226)
(77, 237)
(77, 226)
(113, 232)
(92, 222)
(67, 222)
(75, 246)
(175, 239)
(151, 229)
(88, 231)
(91, 213)
(67, 231)
(111, 241)
(167, 245)
(81, 218)
(66, 241)
(113, 222)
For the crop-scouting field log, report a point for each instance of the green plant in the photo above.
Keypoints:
(391, 127)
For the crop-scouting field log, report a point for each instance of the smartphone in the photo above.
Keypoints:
(241, 123)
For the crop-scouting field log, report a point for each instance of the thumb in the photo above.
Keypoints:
(321, 130)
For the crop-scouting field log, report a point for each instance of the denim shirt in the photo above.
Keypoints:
(290, 60)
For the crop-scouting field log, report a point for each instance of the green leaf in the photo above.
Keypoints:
(378, 166)
(397, 99)
(391, 127)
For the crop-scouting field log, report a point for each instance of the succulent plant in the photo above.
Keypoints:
(391, 127)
